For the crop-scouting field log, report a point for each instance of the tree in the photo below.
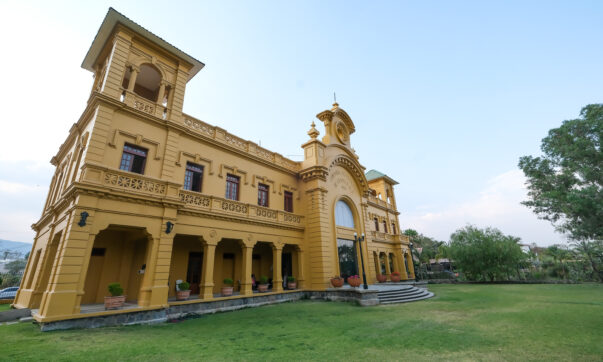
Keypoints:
(565, 185)
(593, 252)
(485, 254)
(16, 267)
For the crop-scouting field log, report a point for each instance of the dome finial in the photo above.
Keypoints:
(335, 104)
(313, 132)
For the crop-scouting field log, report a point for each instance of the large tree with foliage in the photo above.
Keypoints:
(485, 254)
(565, 185)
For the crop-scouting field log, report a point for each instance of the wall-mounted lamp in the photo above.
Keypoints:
(168, 227)
(83, 217)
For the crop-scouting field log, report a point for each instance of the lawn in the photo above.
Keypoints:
(4, 307)
(463, 322)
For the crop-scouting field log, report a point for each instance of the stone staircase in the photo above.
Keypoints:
(403, 294)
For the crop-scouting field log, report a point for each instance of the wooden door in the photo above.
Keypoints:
(193, 274)
(95, 271)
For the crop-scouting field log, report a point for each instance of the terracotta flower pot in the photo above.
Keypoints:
(381, 278)
(337, 282)
(394, 277)
(291, 285)
(262, 288)
(114, 302)
(183, 294)
(227, 291)
(354, 282)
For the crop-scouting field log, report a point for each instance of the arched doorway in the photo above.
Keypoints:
(346, 248)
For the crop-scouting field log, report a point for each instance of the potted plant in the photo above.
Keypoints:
(337, 281)
(183, 291)
(263, 286)
(117, 299)
(227, 287)
(395, 277)
(354, 281)
(291, 284)
(381, 278)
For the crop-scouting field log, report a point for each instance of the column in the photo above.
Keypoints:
(207, 282)
(277, 259)
(411, 268)
(301, 281)
(133, 76)
(246, 283)
(161, 93)
(403, 273)
(60, 297)
(387, 268)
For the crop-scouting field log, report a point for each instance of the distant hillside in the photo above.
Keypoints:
(13, 249)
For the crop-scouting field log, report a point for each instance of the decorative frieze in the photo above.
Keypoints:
(217, 206)
(195, 199)
(131, 183)
(238, 143)
(200, 127)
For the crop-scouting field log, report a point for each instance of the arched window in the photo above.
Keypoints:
(147, 82)
(343, 215)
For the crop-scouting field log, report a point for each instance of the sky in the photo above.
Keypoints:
(445, 95)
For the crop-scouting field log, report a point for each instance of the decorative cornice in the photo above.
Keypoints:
(313, 173)
(354, 168)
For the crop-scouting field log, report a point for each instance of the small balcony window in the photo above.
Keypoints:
(384, 226)
(376, 224)
(288, 201)
(193, 177)
(232, 187)
(263, 195)
(133, 159)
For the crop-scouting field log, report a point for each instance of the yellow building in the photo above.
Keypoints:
(146, 195)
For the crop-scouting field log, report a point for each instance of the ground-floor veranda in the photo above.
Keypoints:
(149, 267)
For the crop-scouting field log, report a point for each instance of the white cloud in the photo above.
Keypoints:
(16, 226)
(497, 205)
(16, 187)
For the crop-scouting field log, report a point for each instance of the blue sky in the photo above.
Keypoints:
(445, 96)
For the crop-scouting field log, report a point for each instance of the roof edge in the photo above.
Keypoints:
(113, 18)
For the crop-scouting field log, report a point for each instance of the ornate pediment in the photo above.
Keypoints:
(353, 168)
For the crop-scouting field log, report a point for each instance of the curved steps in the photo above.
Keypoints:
(403, 295)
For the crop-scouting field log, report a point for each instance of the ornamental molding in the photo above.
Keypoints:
(137, 139)
(197, 159)
(313, 173)
(353, 168)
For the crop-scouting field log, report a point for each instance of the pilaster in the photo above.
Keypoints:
(246, 282)
(277, 274)
(207, 276)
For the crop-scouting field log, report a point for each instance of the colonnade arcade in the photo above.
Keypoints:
(123, 254)
(388, 261)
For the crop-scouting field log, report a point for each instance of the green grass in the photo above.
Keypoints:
(4, 307)
(463, 322)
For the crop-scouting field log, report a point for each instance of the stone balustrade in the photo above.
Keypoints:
(251, 148)
(393, 238)
(128, 182)
(144, 105)
(218, 205)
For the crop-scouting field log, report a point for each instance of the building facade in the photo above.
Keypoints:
(146, 195)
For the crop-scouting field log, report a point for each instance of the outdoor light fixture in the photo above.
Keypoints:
(83, 217)
(168, 227)
(360, 240)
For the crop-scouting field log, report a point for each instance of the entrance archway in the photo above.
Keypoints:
(347, 253)
(119, 255)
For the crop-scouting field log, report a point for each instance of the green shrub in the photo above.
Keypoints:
(115, 289)
(290, 278)
(184, 286)
(228, 281)
(263, 279)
